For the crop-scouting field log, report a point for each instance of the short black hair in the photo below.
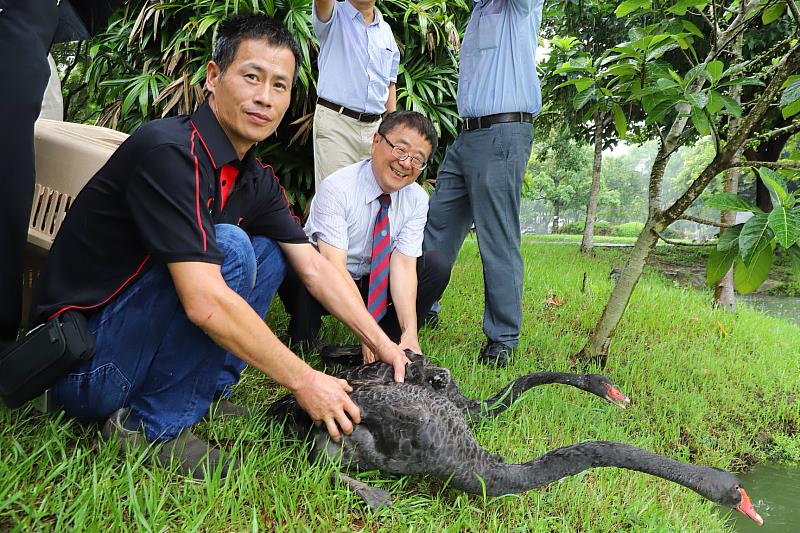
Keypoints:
(237, 28)
(410, 119)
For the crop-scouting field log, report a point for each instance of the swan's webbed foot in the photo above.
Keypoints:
(374, 497)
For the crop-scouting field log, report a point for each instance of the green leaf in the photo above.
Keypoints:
(715, 69)
(791, 109)
(785, 223)
(698, 99)
(583, 83)
(692, 28)
(794, 255)
(715, 102)
(790, 98)
(755, 233)
(725, 201)
(748, 276)
(729, 240)
(582, 98)
(772, 13)
(620, 121)
(700, 121)
(629, 6)
(776, 186)
(732, 106)
(719, 262)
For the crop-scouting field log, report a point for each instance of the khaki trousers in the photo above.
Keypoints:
(339, 141)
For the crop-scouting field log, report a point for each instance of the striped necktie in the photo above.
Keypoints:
(378, 296)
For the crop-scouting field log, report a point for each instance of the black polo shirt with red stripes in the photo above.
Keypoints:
(156, 201)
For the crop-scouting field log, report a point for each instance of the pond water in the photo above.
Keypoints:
(786, 307)
(775, 491)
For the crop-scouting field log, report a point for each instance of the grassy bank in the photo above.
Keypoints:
(706, 387)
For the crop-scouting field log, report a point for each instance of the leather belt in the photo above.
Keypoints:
(476, 123)
(342, 110)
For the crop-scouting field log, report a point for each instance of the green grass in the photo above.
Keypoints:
(565, 237)
(707, 387)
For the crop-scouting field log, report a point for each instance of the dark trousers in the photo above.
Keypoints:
(433, 274)
(26, 32)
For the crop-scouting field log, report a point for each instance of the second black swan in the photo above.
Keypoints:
(420, 427)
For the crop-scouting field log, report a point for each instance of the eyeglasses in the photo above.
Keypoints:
(402, 155)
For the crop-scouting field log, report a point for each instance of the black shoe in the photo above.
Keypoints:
(224, 408)
(431, 320)
(191, 456)
(496, 354)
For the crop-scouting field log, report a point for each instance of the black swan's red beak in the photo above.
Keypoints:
(615, 396)
(747, 509)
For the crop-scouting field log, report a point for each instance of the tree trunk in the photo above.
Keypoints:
(556, 217)
(591, 207)
(724, 295)
(596, 350)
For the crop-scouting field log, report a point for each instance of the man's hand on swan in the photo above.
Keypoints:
(325, 400)
(390, 353)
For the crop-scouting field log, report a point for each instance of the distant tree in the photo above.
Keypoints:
(558, 174)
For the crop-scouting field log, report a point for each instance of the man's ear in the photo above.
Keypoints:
(213, 74)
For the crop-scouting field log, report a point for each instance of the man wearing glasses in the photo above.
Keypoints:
(368, 220)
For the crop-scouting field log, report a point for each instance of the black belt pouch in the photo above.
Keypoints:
(46, 354)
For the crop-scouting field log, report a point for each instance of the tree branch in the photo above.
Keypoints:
(786, 163)
(705, 222)
(777, 132)
(795, 13)
(679, 243)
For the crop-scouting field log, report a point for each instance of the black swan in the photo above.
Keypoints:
(419, 427)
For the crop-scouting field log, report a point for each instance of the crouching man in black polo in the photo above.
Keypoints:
(175, 249)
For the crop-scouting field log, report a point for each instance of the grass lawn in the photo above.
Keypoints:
(706, 387)
(564, 237)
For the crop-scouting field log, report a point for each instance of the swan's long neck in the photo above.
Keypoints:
(512, 392)
(500, 478)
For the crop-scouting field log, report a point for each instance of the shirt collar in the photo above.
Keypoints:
(371, 188)
(352, 12)
(213, 137)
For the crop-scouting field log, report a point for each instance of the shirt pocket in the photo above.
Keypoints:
(384, 63)
(489, 30)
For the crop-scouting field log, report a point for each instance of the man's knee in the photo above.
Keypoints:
(270, 257)
(434, 265)
(239, 264)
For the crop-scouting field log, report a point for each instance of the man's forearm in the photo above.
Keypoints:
(391, 101)
(343, 300)
(403, 287)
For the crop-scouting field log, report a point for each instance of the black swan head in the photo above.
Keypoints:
(602, 387)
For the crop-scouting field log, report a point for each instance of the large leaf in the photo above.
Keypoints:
(773, 13)
(725, 201)
(775, 185)
(715, 69)
(730, 239)
(719, 262)
(748, 276)
(715, 102)
(785, 223)
(700, 121)
(620, 121)
(754, 236)
(794, 256)
(629, 6)
(790, 98)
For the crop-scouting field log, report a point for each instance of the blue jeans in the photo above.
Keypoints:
(152, 359)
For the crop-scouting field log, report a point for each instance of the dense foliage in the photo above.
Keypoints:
(151, 62)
